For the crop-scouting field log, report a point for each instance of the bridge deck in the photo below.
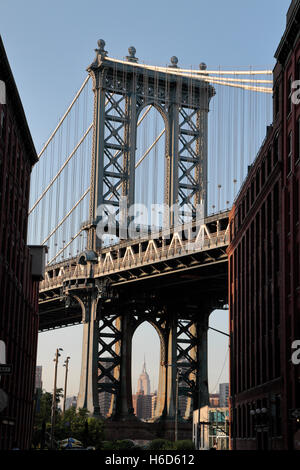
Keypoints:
(157, 262)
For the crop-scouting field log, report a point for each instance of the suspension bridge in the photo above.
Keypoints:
(131, 195)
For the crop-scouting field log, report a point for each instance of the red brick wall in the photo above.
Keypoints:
(18, 294)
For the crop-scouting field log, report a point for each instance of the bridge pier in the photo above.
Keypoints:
(107, 354)
(202, 354)
(171, 370)
(122, 408)
(88, 390)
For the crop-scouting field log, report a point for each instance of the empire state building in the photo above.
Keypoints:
(144, 381)
(143, 401)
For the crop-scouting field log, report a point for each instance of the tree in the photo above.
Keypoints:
(72, 423)
(79, 425)
(42, 419)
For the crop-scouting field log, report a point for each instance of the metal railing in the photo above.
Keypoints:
(108, 264)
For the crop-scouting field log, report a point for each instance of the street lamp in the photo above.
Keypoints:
(66, 365)
(234, 186)
(219, 190)
(57, 355)
(176, 408)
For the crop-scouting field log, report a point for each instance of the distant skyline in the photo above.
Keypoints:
(50, 44)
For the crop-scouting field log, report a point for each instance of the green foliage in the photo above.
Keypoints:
(76, 424)
(164, 444)
(184, 445)
(79, 425)
(107, 445)
(119, 445)
(161, 444)
(45, 406)
(125, 444)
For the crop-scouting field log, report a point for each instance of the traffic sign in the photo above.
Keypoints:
(6, 369)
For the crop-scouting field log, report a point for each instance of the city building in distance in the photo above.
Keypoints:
(38, 377)
(21, 267)
(143, 401)
(214, 400)
(144, 381)
(223, 395)
(264, 281)
(71, 402)
(212, 424)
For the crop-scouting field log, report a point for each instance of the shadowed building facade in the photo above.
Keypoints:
(18, 274)
(264, 288)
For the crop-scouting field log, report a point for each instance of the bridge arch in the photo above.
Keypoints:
(151, 156)
(158, 107)
(143, 337)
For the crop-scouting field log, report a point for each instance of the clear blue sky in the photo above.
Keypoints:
(50, 44)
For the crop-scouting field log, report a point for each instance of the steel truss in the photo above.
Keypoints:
(121, 91)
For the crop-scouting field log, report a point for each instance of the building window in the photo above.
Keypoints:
(278, 415)
(297, 268)
(269, 162)
(289, 95)
(289, 153)
(296, 202)
(263, 173)
(276, 101)
(288, 212)
(2, 124)
(288, 274)
(297, 153)
(276, 150)
(257, 182)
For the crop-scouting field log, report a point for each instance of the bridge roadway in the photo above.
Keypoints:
(173, 267)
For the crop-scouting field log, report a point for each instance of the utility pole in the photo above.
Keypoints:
(198, 435)
(66, 365)
(176, 407)
(53, 409)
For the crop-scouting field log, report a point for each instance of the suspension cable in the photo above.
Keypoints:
(188, 71)
(199, 74)
(242, 80)
(66, 216)
(219, 81)
(65, 246)
(84, 194)
(144, 115)
(64, 116)
(61, 168)
(150, 148)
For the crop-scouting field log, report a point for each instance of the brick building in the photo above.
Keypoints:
(287, 122)
(19, 267)
(264, 289)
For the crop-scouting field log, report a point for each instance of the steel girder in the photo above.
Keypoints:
(121, 91)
